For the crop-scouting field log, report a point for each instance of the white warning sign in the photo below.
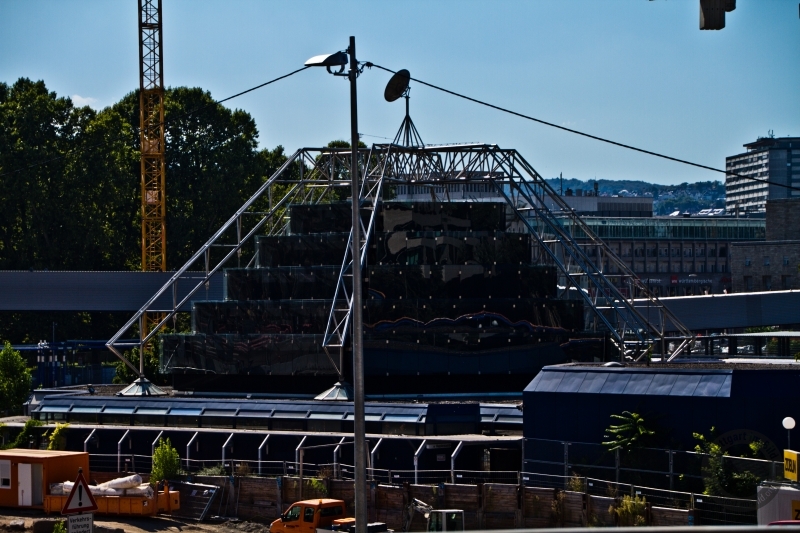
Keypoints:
(80, 523)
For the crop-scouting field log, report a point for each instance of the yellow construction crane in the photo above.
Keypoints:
(151, 128)
(151, 131)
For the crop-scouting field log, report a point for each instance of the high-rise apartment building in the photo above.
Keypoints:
(769, 165)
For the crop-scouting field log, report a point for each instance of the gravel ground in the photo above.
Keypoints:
(155, 524)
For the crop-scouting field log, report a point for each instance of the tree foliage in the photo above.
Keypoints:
(70, 187)
(66, 189)
(213, 164)
(629, 433)
(58, 437)
(23, 438)
(630, 511)
(151, 367)
(719, 479)
(15, 380)
(166, 462)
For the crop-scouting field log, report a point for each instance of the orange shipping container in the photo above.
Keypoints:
(25, 475)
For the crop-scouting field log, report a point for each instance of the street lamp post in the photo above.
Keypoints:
(360, 455)
(788, 424)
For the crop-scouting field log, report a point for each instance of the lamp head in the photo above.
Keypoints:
(788, 422)
(339, 59)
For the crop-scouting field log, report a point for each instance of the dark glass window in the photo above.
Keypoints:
(292, 514)
(331, 511)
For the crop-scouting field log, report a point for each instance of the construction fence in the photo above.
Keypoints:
(490, 500)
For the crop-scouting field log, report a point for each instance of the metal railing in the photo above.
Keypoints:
(654, 467)
(711, 510)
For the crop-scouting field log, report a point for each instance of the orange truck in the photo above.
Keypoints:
(308, 515)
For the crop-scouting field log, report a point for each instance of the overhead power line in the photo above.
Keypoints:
(588, 135)
(171, 119)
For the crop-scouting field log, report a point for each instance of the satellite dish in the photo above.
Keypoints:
(397, 85)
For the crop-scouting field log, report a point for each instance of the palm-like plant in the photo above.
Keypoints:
(628, 433)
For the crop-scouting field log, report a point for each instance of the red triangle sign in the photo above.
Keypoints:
(80, 499)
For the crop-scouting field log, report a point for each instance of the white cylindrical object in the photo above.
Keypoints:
(127, 482)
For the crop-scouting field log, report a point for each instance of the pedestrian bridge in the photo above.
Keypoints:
(129, 291)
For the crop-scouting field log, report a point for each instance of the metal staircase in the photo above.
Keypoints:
(554, 225)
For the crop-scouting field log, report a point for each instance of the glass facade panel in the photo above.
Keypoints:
(675, 228)
(326, 416)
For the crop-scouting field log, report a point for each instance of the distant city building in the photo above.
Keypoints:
(586, 203)
(770, 265)
(609, 206)
(768, 164)
(675, 256)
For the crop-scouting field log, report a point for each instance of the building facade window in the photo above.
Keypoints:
(766, 283)
(5, 474)
(766, 260)
(748, 283)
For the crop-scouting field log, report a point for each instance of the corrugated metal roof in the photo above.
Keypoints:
(633, 381)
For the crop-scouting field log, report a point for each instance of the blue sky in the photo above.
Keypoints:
(636, 71)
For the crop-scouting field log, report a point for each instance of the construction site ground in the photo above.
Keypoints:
(10, 521)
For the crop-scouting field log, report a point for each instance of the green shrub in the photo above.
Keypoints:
(166, 462)
(630, 511)
(23, 438)
(60, 527)
(58, 441)
(216, 470)
(575, 483)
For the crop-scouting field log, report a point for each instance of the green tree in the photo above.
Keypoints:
(212, 164)
(151, 367)
(15, 380)
(69, 200)
(70, 188)
(23, 438)
(66, 189)
(719, 479)
(166, 462)
(629, 433)
(58, 437)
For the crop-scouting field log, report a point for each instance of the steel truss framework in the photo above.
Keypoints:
(151, 131)
(321, 175)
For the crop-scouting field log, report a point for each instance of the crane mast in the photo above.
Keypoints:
(151, 130)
